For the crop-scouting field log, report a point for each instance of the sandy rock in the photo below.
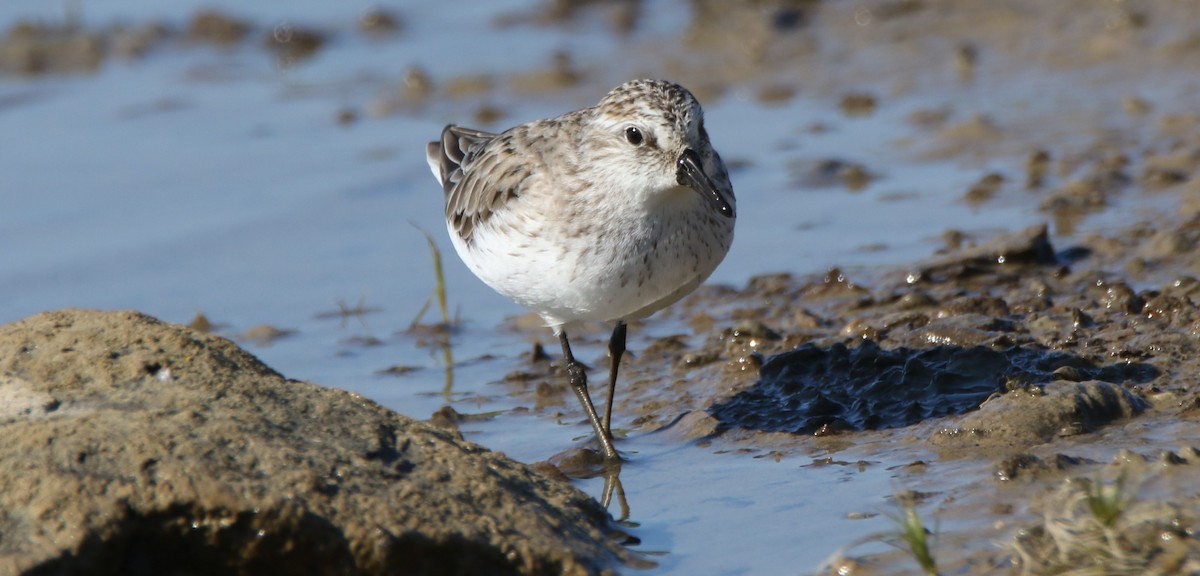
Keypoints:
(138, 447)
(1026, 417)
(1027, 247)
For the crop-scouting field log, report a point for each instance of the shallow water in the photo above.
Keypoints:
(205, 179)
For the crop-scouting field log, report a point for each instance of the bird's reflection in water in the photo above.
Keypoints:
(612, 485)
(585, 464)
(448, 360)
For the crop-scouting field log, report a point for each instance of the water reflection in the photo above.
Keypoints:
(441, 331)
(448, 359)
(585, 464)
(612, 485)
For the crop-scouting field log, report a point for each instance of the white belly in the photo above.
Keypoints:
(618, 268)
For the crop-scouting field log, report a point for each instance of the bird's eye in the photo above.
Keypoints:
(634, 136)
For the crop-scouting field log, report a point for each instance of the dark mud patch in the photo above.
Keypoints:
(816, 389)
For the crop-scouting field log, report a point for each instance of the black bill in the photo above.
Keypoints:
(691, 174)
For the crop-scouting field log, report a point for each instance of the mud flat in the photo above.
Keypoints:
(1023, 381)
(1031, 379)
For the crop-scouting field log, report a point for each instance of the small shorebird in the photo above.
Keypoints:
(607, 213)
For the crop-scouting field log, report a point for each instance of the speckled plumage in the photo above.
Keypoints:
(578, 218)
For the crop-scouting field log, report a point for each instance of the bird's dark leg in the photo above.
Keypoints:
(616, 349)
(578, 381)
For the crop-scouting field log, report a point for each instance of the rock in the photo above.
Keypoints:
(216, 27)
(1028, 247)
(138, 447)
(1025, 466)
(30, 49)
(1026, 417)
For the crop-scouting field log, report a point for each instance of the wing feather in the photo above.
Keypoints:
(480, 172)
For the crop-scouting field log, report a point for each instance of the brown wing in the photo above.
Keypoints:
(480, 172)
(447, 156)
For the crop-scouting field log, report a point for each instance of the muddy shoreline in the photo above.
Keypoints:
(1012, 370)
(1016, 368)
(997, 365)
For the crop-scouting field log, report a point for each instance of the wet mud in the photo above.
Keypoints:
(1024, 373)
(823, 390)
(1007, 360)
(1027, 365)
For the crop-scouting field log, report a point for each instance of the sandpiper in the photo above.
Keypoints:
(607, 213)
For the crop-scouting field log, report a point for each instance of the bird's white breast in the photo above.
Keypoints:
(608, 256)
